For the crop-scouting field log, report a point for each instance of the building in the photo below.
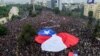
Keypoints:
(57, 3)
(60, 3)
(49, 4)
(95, 7)
(39, 2)
(92, 6)
(53, 3)
(89, 7)
(2, 3)
(72, 6)
(97, 12)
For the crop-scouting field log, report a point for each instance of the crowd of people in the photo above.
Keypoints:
(86, 47)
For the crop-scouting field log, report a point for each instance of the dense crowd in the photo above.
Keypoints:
(86, 47)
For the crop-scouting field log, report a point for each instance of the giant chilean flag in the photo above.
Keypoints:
(55, 42)
(90, 1)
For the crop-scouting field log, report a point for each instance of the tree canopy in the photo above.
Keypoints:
(3, 30)
(26, 35)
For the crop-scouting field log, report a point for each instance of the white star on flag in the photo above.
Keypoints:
(47, 32)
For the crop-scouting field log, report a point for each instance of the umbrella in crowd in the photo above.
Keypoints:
(55, 42)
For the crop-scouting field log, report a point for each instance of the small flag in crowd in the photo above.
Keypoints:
(72, 53)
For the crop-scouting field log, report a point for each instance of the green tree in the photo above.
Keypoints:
(16, 17)
(96, 32)
(90, 17)
(4, 11)
(26, 35)
(56, 10)
(90, 14)
(3, 30)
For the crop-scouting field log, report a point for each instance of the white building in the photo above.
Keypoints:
(92, 7)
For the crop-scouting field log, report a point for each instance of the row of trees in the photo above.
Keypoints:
(4, 11)
(77, 12)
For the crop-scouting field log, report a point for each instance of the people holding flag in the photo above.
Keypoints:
(55, 42)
